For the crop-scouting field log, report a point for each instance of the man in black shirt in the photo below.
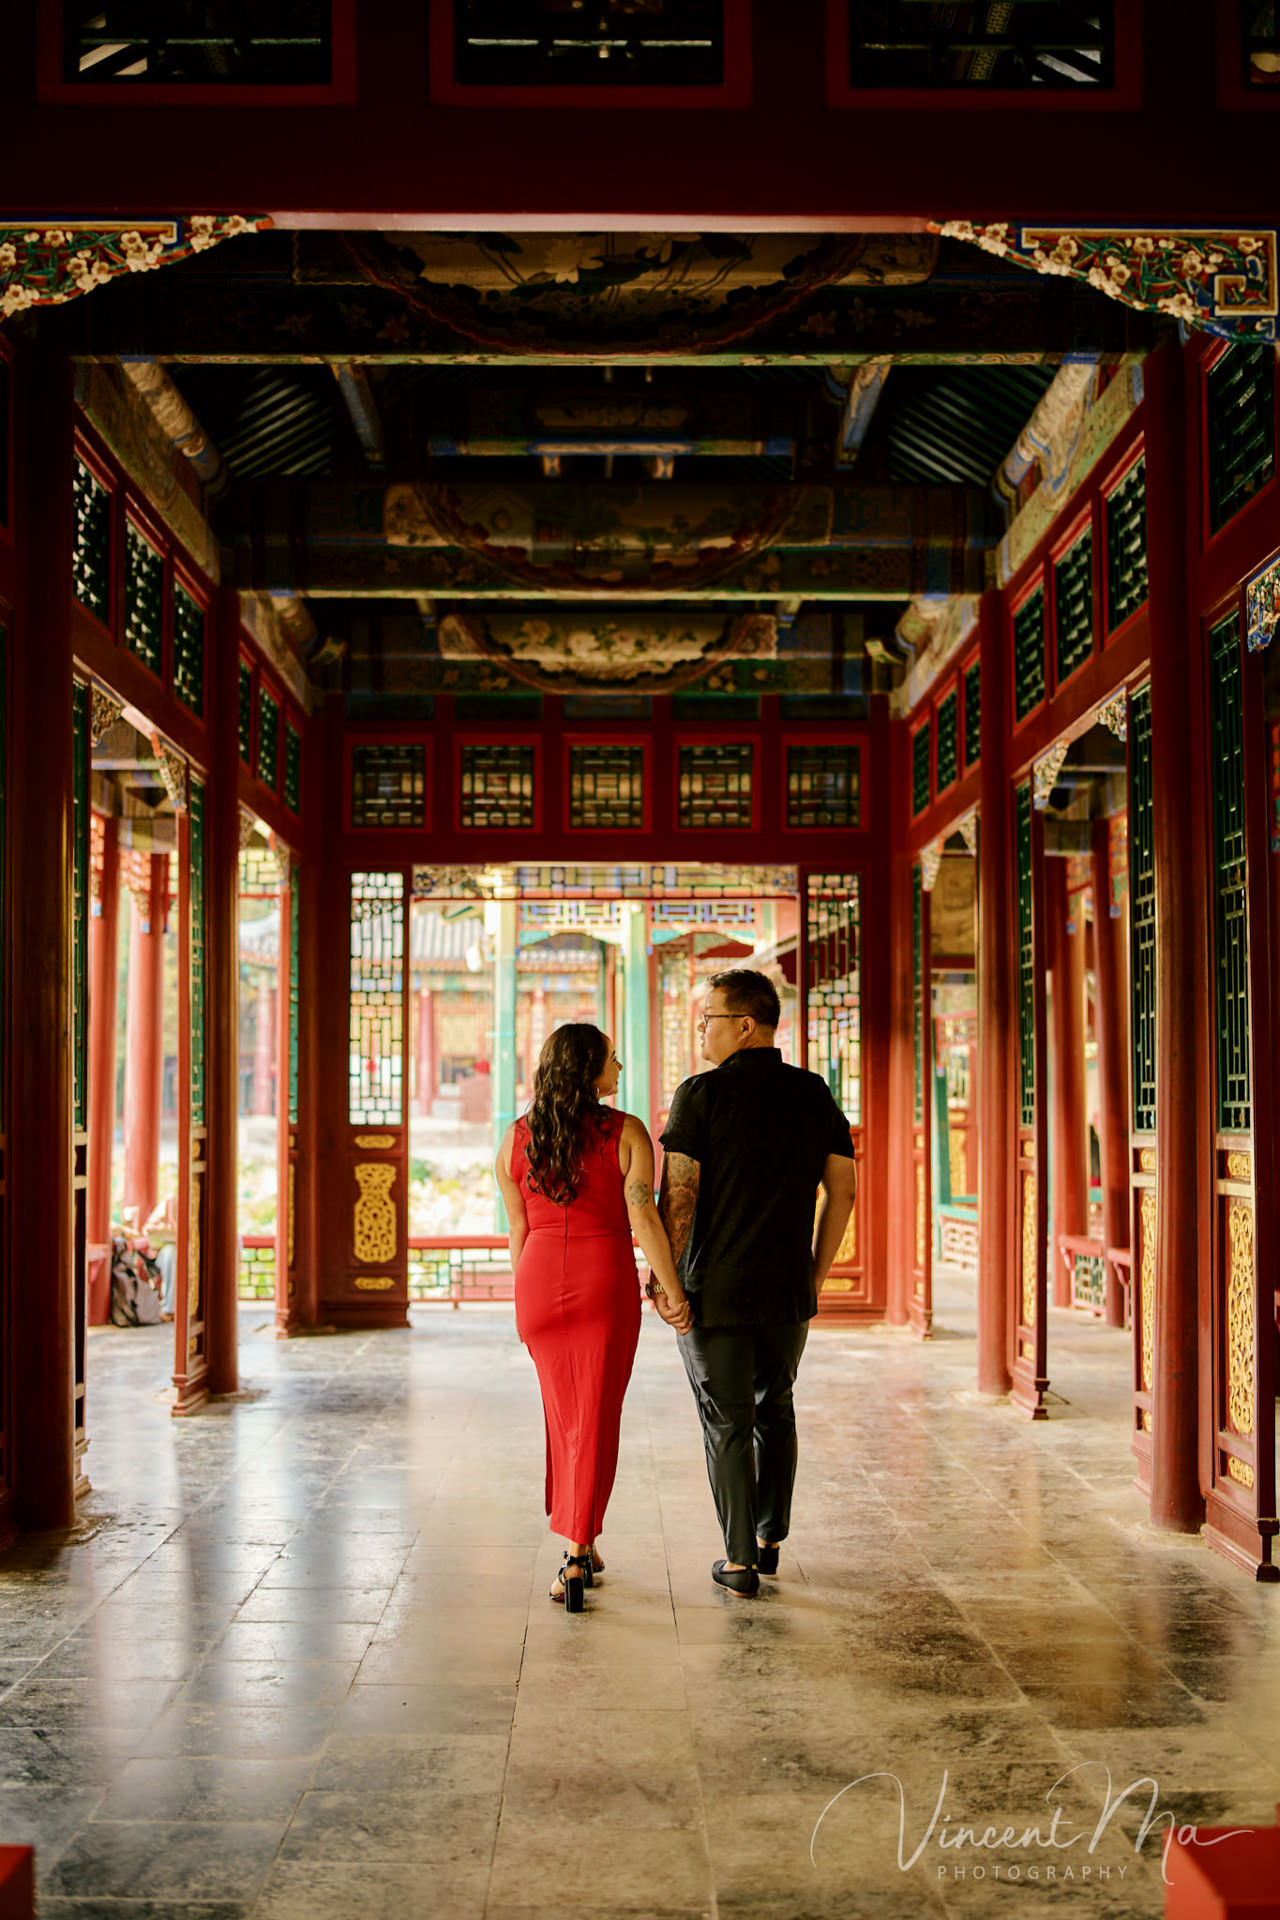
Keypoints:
(746, 1147)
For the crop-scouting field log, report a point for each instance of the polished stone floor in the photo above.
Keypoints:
(298, 1662)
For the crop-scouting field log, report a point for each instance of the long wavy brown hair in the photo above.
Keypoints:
(565, 1111)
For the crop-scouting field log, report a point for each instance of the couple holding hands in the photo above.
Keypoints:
(735, 1257)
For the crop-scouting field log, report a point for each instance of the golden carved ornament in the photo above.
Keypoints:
(293, 1188)
(922, 1232)
(193, 1251)
(1146, 1420)
(375, 1213)
(847, 1251)
(1147, 1282)
(1240, 1324)
(958, 1158)
(839, 1285)
(1240, 1470)
(1147, 1160)
(1028, 1249)
(967, 827)
(103, 713)
(1239, 1166)
(193, 1346)
(374, 1140)
(375, 1282)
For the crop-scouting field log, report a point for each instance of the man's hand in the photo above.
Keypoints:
(681, 1317)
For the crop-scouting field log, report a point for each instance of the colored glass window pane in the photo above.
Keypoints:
(606, 786)
(292, 767)
(188, 650)
(268, 738)
(1231, 874)
(716, 785)
(497, 786)
(389, 785)
(1126, 511)
(1028, 655)
(1142, 914)
(1241, 428)
(91, 551)
(921, 768)
(1260, 43)
(1063, 45)
(823, 786)
(541, 43)
(1073, 606)
(245, 727)
(833, 979)
(143, 599)
(972, 713)
(1026, 960)
(375, 1086)
(948, 727)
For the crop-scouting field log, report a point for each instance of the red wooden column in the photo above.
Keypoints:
(1178, 815)
(222, 1026)
(144, 1037)
(1069, 1127)
(1112, 1007)
(899, 1155)
(996, 1016)
(104, 943)
(41, 1291)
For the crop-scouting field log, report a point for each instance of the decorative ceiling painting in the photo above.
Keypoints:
(656, 293)
(609, 649)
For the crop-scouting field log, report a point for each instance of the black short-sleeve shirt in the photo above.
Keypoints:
(761, 1132)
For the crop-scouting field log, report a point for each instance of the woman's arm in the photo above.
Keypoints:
(512, 1199)
(635, 1156)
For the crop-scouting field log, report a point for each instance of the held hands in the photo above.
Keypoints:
(679, 1316)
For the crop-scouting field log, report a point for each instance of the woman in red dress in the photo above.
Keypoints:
(577, 1181)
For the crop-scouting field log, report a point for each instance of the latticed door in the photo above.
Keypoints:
(377, 1116)
(80, 858)
(920, 1304)
(1030, 1298)
(831, 984)
(1142, 1047)
(1241, 1496)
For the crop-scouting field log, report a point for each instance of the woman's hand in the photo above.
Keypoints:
(677, 1313)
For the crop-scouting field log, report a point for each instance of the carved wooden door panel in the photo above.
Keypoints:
(830, 977)
(1029, 1359)
(377, 1104)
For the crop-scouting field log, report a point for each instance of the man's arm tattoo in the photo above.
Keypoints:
(639, 1193)
(678, 1200)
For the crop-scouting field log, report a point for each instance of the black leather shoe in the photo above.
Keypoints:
(744, 1580)
(766, 1559)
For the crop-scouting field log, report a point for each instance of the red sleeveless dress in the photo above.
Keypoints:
(577, 1301)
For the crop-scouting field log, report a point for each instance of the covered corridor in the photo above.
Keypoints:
(297, 1659)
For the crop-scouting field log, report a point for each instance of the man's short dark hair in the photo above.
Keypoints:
(751, 993)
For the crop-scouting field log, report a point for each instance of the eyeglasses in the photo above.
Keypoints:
(704, 1017)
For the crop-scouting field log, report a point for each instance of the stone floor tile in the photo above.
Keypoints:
(371, 1890)
(630, 1867)
(292, 1640)
(425, 1710)
(205, 1790)
(351, 1605)
(248, 1732)
(460, 1763)
(142, 1860)
(432, 1827)
(270, 1683)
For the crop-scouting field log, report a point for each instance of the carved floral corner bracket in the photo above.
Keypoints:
(1218, 279)
(930, 861)
(47, 264)
(1113, 714)
(1044, 774)
(1262, 604)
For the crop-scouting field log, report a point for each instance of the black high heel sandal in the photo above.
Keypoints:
(571, 1590)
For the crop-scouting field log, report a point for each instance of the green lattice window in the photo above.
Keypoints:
(292, 767)
(823, 785)
(1231, 874)
(268, 738)
(389, 785)
(832, 909)
(972, 713)
(917, 993)
(1028, 655)
(143, 599)
(1241, 428)
(1040, 45)
(1073, 606)
(948, 744)
(1126, 511)
(606, 786)
(1026, 959)
(295, 907)
(188, 650)
(91, 551)
(79, 905)
(196, 892)
(921, 767)
(510, 43)
(716, 784)
(257, 1269)
(376, 1084)
(245, 722)
(1142, 914)
(497, 786)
